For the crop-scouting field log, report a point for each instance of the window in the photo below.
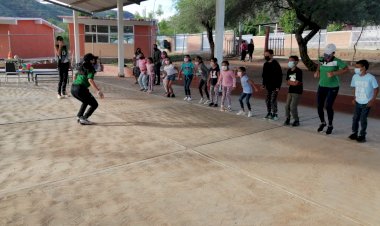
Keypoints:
(180, 42)
(107, 34)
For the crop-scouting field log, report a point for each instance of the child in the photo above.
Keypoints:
(247, 85)
(135, 60)
(272, 79)
(151, 74)
(164, 55)
(366, 90)
(170, 72)
(143, 74)
(202, 73)
(294, 80)
(79, 89)
(187, 69)
(228, 81)
(213, 78)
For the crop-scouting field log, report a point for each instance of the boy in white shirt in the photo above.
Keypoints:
(366, 90)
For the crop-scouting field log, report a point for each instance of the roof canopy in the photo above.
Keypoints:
(92, 6)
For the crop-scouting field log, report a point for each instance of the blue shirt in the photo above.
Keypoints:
(247, 88)
(187, 68)
(364, 87)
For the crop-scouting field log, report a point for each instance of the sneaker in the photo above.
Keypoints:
(329, 130)
(361, 139)
(250, 114)
(185, 98)
(59, 96)
(189, 99)
(296, 123)
(287, 122)
(201, 101)
(353, 136)
(84, 121)
(78, 118)
(142, 89)
(268, 116)
(207, 102)
(168, 95)
(275, 117)
(172, 95)
(321, 127)
(229, 108)
(211, 104)
(241, 112)
(215, 105)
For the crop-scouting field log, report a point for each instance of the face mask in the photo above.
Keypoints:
(328, 57)
(357, 71)
(267, 58)
(196, 63)
(291, 64)
(186, 59)
(224, 68)
(240, 73)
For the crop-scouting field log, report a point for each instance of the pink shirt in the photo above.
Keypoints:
(142, 65)
(227, 78)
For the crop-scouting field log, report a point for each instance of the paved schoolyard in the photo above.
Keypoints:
(151, 160)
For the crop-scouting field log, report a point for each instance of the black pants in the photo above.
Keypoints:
(326, 97)
(203, 85)
(245, 96)
(243, 54)
(360, 115)
(157, 71)
(187, 83)
(83, 95)
(63, 70)
(271, 101)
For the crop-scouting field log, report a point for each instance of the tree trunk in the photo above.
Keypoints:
(302, 45)
(210, 40)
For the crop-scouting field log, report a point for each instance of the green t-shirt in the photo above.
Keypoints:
(325, 67)
(82, 80)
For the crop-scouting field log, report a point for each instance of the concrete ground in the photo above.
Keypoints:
(151, 160)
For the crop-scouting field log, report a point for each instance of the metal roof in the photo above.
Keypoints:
(14, 20)
(92, 6)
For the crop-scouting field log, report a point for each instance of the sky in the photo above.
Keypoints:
(167, 7)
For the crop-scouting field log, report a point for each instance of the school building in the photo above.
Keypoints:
(27, 37)
(99, 36)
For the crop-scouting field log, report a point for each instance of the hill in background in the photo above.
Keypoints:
(50, 12)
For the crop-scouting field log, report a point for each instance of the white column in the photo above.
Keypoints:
(9, 43)
(76, 37)
(120, 37)
(219, 29)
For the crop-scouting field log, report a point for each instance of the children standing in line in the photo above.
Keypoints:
(272, 79)
(143, 74)
(294, 80)
(187, 69)
(202, 74)
(213, 78)
(247, 85)
(170, 72)
(366, 91)
(228, 81)
(151, 74)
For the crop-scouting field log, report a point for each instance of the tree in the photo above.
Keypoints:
(194, 14)
(315, 14)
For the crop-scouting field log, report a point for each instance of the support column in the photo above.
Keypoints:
(76, 37)
(120, 37)
(219, 29)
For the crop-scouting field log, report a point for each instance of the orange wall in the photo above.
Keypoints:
(81, 40)
(4, 43)
(31, 40)
(143, 39)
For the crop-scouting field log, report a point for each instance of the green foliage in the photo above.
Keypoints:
(288, 21)
(251, 24)
(165, 27)
(335, 27)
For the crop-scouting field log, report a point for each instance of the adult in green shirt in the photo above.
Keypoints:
(328, 70)
(82, 81)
